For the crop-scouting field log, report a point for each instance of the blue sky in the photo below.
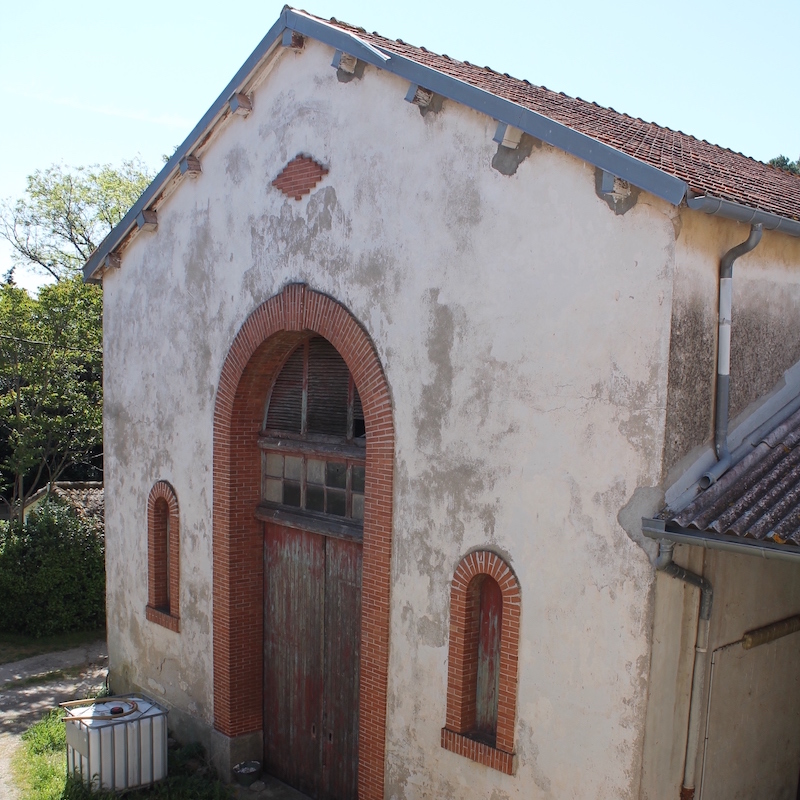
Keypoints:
(90, 82)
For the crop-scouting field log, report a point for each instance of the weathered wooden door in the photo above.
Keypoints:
(312, 613)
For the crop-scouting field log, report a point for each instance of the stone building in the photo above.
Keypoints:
(399, 354)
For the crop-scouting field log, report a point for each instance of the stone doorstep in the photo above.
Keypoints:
(268, 788)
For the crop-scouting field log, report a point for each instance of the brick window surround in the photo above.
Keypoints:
(258, 350)
(163, 557)
(463, 662)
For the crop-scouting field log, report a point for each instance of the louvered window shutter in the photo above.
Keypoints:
(286, 402)
(328, 382)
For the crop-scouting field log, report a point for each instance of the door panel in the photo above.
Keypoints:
(342, 647)
(294, 595)
(312, 624)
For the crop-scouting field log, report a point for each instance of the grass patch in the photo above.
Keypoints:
(40, 764)
(15, 647)
(40, 767)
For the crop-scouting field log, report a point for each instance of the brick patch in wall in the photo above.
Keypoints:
(462, 667)
(299, 176)
(257, 353)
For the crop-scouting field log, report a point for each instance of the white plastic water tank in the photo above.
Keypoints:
(116, 742)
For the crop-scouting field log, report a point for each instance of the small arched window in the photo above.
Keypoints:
(313, 443)
(163, 558)
(482, 667)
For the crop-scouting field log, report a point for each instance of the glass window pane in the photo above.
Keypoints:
(294, 467)
(336, 474)
(273, 490)
(358, 506)
(358, 479)
(315, 498)
(337, 503)
(315, 471)
(274, 465)
(291, 493)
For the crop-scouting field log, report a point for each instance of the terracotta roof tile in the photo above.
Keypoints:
(706, 168)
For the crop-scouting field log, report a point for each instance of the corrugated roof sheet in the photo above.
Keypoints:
(758, 498)
(706, 168)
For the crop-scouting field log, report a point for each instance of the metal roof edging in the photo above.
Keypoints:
(578, 144)
(646, 177)
(709, 204)
(657, 529)
(128, 222)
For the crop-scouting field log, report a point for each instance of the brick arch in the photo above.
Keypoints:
(158, 577)
(262, 343)
(463, 662)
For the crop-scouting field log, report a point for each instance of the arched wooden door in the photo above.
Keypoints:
(313, 472)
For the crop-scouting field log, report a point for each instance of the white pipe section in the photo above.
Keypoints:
(698, 682)
(725, 311)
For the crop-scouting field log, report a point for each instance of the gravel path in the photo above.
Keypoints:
(26, 693)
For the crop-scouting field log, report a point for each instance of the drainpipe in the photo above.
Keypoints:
(664, 563)
(724, 356)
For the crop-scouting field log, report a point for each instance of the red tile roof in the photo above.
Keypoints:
(706, 168)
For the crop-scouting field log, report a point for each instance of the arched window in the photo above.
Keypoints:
(314, 443)
(482, 667)
(163, 559)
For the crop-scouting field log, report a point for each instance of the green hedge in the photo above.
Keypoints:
(52, 573)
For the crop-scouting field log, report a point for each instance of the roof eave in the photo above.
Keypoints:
(659, 529)
(718, 206)
(578, 144)
(644, 176)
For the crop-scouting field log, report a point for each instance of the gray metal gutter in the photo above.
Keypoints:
(709, 204)
(660, 529)
(644, 176)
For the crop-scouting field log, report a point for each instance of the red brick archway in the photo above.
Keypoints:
(257, 351)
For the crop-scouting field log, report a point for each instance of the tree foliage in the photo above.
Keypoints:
(65, 213)
(50, 385)
(51, 344)
(781, 162)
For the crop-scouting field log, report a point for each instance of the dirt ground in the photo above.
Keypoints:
(30, 688)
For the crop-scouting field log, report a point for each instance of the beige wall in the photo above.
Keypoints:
(765, 339)
(749, 592)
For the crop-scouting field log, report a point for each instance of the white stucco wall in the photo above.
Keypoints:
(524, 331)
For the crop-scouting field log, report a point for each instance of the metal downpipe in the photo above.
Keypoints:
(664, 563)
(722, 404)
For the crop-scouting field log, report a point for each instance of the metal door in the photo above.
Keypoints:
(312, 613)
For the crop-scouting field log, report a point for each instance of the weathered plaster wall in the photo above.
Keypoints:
(524, 330)
(765, 339)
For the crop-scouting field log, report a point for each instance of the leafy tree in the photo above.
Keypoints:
(51, 344)
(50, 385)
(66, 213)
(781, 162)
